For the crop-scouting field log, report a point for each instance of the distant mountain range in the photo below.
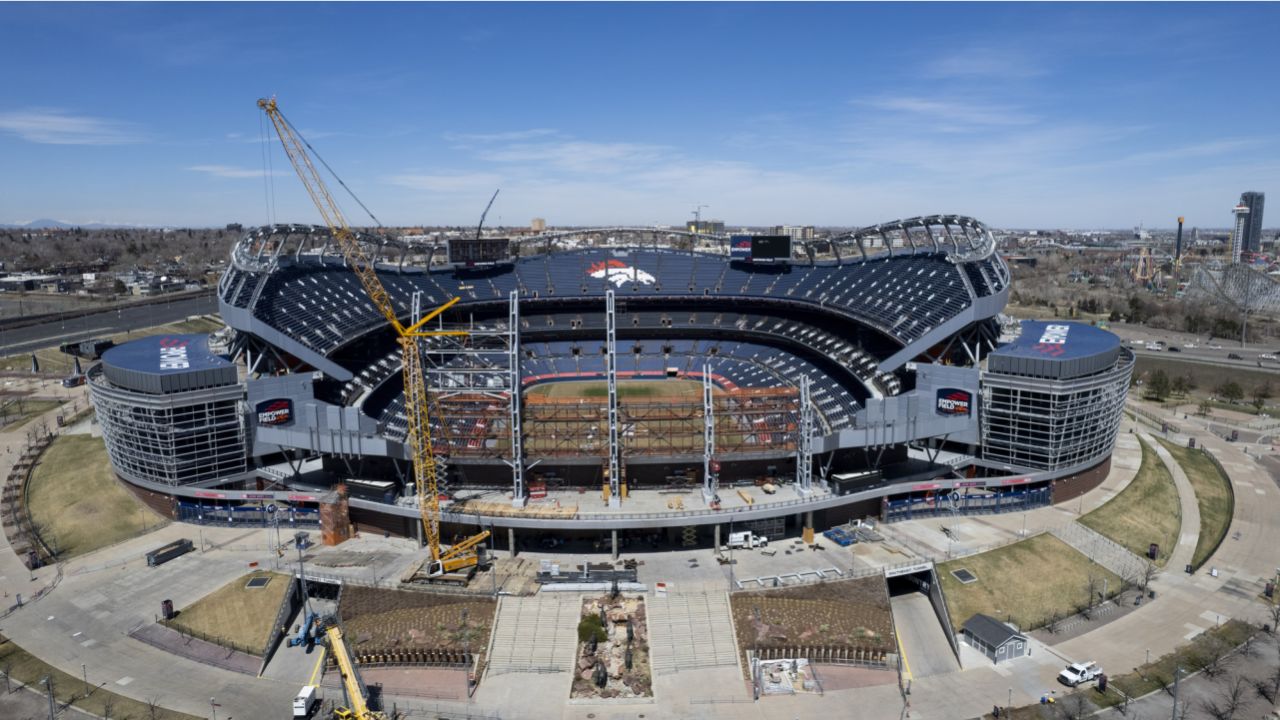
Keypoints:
(47, 224)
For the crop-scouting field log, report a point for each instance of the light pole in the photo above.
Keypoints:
(1177, 672)
(84, 670)
(1009, 704)
(213, 709)
(299, 539)
(466, 659)
(48, 687)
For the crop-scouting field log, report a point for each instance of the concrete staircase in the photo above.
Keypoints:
(690, 630)
(535, 634)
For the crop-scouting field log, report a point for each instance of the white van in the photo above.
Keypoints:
(305, 702)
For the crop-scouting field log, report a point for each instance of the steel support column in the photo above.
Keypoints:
(518, 495)
(804, 444)
(611, 362)
(710, 471)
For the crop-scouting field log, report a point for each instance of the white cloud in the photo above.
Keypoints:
(952, 114)
(51, 126)
(986, 63)
(447, 182)
(228, 171)
(579, 156)
(509, 136)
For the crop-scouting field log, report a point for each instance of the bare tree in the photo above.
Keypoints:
(1075, 707)
(153, 707)
(1228, 702)
(1274, 611)
(1214, 658)
(1091, 591)
(7, 668)
(108, 706)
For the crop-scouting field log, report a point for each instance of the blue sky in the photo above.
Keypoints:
(1035, 115)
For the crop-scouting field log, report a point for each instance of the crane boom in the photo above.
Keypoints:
(415, 386)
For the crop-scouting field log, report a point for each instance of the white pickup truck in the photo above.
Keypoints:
(1077, 673)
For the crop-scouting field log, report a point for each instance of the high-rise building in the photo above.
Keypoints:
(1236, 245)
(538, 224)
(797, 232)
(707, 227)
(1252, 241)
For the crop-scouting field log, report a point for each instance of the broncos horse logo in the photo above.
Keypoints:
(619, 273)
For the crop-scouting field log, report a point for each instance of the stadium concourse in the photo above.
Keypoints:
(780, 385)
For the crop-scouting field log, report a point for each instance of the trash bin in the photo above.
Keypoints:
(1153, 551)
(1189, 570)
(1191, 443)
(1270, 590)
(166, 609)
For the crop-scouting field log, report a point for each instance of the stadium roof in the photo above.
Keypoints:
(1056, 350)
(167, 363)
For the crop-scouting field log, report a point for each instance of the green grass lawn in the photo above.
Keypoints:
(27, 668)
(77, 502)
(18, 412)
(1213, 495)
(236, 616)
(1027, 582)
(1146, 511)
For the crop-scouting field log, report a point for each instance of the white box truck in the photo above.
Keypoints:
(305, 702)
(740, 540)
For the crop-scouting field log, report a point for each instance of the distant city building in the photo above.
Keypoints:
(1252, 241)
(709, 227)
(538, 224)
(1241, 212)
(797, 232)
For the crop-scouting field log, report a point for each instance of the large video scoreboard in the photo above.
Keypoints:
(478, 252)
(760, 248)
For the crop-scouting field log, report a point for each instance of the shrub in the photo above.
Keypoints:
(590, 625)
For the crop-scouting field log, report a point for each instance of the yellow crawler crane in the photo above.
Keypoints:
(358, 704)
(462, 555)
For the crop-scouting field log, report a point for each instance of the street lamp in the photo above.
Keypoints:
(299, 540)
(213, 709)
(84, 670)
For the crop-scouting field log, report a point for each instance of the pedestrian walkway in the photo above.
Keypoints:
(535, 634)
(690, 630)
(1190, 533)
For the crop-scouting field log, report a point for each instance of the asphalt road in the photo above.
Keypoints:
(110, 321)
(1202, 352)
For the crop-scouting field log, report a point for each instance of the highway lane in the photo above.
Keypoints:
(122, 318)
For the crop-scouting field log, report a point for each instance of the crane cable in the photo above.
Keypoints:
(376, 221)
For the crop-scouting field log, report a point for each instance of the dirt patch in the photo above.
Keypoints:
(378, 621)
(852, 616)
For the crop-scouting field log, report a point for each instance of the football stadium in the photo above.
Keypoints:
(623, 385)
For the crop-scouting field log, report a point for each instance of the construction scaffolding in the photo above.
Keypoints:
(747, 421)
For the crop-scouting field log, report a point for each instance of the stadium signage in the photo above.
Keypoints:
(620, 273)
(740, 247)
(1053, 339)
(954, 401)
(173, 354)
(275, 412)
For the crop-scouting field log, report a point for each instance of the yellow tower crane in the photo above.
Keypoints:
(462, 555)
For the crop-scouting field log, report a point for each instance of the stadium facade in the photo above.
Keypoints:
(775, 382)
